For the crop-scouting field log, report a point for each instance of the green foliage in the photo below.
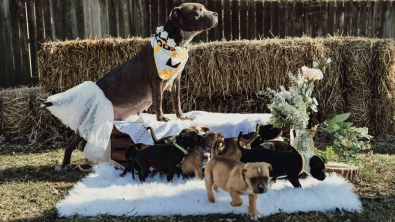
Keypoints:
(327, 155)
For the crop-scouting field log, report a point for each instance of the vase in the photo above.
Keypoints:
(304, 142)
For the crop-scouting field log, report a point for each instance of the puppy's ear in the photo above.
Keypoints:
(175, 13)
(205, 129)
(269, 166)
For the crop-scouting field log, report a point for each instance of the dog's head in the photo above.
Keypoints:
(188, 138)
(209, 139)
(201, 129)
(317, 168)
(269, 132)
(193, 17)
(256, 175)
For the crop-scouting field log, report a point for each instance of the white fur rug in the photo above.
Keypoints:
(105, 192)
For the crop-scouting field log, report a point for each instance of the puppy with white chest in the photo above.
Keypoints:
(236, 178)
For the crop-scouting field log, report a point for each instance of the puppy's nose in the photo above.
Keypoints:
(261, 188)
(215, 14)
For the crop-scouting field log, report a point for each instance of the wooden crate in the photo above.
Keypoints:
(119, 144)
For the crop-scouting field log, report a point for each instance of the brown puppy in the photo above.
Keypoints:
(236, 178)
(171, 139)
(197, 157)
(231, 149)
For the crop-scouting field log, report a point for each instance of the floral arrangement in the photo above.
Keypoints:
(291, 108)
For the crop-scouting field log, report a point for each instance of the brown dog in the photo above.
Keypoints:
(135, 85)
(236, 178)
(231, 149)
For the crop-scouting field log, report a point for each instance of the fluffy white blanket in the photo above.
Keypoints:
(229, 124)
(104, 192)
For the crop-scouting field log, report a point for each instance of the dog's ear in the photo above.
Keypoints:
(269, 166)
(175, 13)
(205, 129)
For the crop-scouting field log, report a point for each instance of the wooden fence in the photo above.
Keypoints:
(25, 24)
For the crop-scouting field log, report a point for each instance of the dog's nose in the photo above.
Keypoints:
(261, 188)
(215, 14)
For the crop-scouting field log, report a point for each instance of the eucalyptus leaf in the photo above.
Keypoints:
(332, 128)
(315, 64)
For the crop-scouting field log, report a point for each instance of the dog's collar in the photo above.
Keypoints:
(180, 148)
(208, 148)
(303, 163)
(275, 139)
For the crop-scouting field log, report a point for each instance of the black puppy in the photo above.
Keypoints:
(288, 164)
(160, 157)
(130, 155)
(267, 135)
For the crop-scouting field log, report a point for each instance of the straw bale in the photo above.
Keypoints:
(227, 76)
(22, 117)
(63, 65)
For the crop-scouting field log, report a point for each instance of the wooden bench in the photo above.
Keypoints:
(119, 144)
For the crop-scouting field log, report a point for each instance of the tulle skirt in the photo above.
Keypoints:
(86, 110)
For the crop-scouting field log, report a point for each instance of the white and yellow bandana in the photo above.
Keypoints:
(169, 59)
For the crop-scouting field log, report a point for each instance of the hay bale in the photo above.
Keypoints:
(22, 117)
(227, 76)
(63, 65)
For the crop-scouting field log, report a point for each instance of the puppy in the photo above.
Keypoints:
(288, 164)
(198, 156)
(171, 139)
(130, 156)
(270, 138)
(168, 156)
(232, 151)
(236, 178)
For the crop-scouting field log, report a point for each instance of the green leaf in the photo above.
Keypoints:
(339, 118)
(332, 128)
(315, 64)
(347, 125)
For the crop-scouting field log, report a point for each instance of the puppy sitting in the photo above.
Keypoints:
(236, 178)
(168, 156)
(290, 164)
(198, 156)
(270, 138)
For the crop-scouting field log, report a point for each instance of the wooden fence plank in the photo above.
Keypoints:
(355, 9)
(47, 19)
(347, 18)
(307, 18)
(290, 17)
(25, 75)
(202, 37)
(267, 25)
(363, 18)
(40, 25)
(104, 20)
(322, 18)
(227, 20)
(162, 13)
(17, 14)
(282, 21)
(388, 19)
(154, 14)
(339, 17)
(123, 18)
(66, 20)
(8, 64)
(112, 18)
(219, 34)
(235, 20)
(275, 18)
(393, 19)
(259, 18)
(385, 16)
(331, 17)
(243, 19)
(32, 38)
(211, 7)
(297, 29)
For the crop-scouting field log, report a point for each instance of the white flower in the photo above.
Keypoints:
(179, 50)
(164, 35)
(171, 43)
(312, 74)
(160, 29)
(328, 61)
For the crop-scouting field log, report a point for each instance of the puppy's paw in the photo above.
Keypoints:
(256, 217)
(184, 118)
(233, 204)
(211, 199)
(163, 119)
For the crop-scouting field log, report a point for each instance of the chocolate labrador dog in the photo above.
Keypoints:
(136, 84)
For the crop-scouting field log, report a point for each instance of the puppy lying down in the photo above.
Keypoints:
(236, 178)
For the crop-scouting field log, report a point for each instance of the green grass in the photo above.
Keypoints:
(30, 189)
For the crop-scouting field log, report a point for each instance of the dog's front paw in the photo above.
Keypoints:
(235, 204)
(184, 118)
(163, 119)
(63, 168)
(255, 216)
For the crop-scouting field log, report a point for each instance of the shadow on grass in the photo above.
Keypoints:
(45, 173)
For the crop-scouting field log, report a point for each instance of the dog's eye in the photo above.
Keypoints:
(252, 178)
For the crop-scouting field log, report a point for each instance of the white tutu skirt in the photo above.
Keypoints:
(86, 110)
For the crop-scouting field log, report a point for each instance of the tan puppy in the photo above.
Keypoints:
(236, 178)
